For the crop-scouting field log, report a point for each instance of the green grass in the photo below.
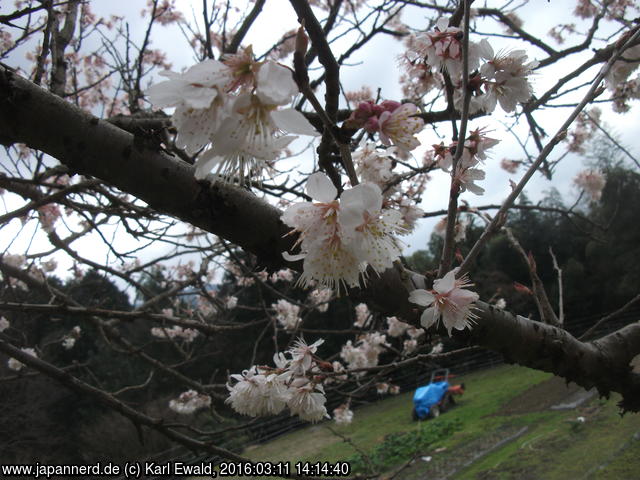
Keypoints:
(554, 445)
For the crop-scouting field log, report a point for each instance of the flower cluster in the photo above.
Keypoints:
(474, 152)
(504, 77)
(396, 123)
(294, 383)
(366, 352)
(287, 314)
(16, 365)
(449, 300)
(187, 334)
(343, 415)
(340, 238)
(501, 79)
(383, 387)
(442, 48)
(231, 108)
(362, 315)
(69, 340)
(231, 302)
(592, 182)
(396, 328)
(628, 62)
(189, 402)
(373, 165)
(320, 298)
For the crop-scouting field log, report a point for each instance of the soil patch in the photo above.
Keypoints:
(444, 466)
(543, 396)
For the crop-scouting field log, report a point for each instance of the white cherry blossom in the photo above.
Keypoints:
(196, 88)
(287, 314)
(307, 400)
(400, 126)
(320, 297)
(362, 315)
(592, 182)
(16, 365)
(302, 356)
(189, 402)
(373, 165)
(343, 415)
(368, 228)
(253, 133)
(449, 300)
(255, 394)
(396, 328)
(506, 77)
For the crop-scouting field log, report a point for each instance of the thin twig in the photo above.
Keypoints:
(593, 92)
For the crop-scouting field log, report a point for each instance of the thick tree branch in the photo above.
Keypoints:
(90, 146)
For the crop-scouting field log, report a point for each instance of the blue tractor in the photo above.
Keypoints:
(436, 397)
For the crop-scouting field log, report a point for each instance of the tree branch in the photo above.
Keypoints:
(31, 115)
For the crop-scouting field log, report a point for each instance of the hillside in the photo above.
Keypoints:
(512, 423)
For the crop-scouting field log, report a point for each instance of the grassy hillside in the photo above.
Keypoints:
(503, 428)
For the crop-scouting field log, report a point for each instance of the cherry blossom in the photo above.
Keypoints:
(187, 334)
(372, 165)
(302, 356)
(395, 122)
(396, 327)
(250, 135)
(623, 67)
(442, 48)
(16, 365)
(449, 300)
(366, 352)
(307, 400)
(69, 341)
(4, 324)
(505, 76)
(382, 388)
(467, 177)
(231, 302)
(592, 182)
(287, 314)
(256, 394)
(369, 229)
(232, 108)
(400, 126)
(320, 297)
(189, 402)
(409, 346)
(343, 415)
(339, 238)
(362, 315)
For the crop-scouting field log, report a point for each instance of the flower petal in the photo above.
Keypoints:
(320, 188)
(429, 317)
(446, 283)
(421, 297)
(275, 84)
(292, 121)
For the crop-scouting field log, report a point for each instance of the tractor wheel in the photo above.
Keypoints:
(445, 403)
(434, 411)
